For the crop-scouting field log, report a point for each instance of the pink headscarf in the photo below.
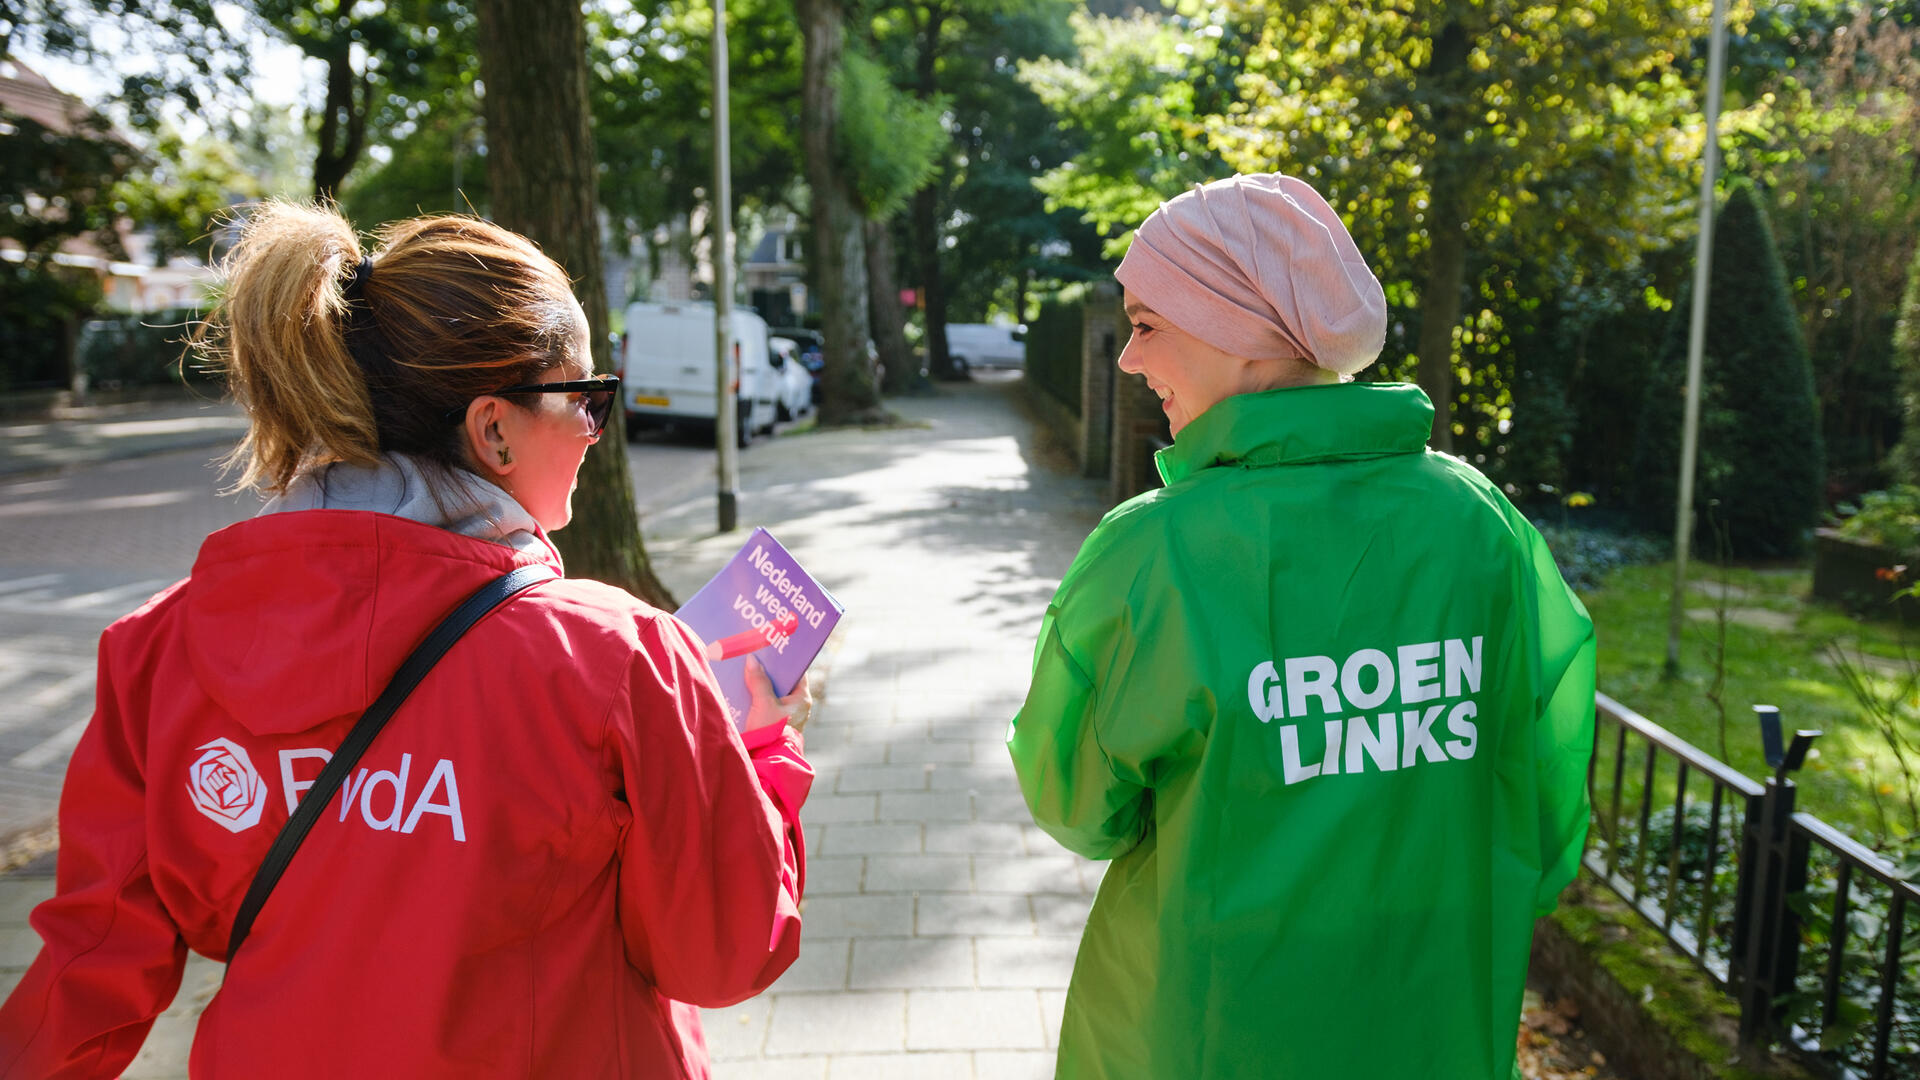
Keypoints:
(1261, 267)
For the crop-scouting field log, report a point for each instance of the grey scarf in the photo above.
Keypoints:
(398, 486)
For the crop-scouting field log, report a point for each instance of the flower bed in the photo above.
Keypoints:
(1863, 577)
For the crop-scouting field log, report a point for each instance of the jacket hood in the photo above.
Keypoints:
(1302, 424)
(293, 619)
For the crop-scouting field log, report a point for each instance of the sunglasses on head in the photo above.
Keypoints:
(600, 393)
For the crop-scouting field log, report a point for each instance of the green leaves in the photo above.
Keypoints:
(890, 141)
(1131, 101)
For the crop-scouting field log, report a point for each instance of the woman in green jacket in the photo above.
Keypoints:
(1323, 699)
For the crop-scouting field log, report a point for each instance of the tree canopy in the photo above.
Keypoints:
(1521, 175)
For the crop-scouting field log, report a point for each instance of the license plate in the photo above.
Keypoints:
(656, 402)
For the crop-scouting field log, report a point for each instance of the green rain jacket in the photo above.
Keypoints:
(1327, 704)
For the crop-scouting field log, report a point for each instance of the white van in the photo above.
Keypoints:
(980, 346)
(666, 367)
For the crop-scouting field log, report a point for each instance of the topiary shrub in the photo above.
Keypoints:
(1904, 462)
(140, 350)
(1760, 450)
(1054, 345)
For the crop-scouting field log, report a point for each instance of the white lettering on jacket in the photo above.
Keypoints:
(1321, 694)
(370, 792)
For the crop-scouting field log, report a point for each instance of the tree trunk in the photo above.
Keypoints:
(926, 242)
(1446, 225)
(926, 207)
(901, 373)
(542, 175)
(1440, 303)
(343, 126)
(838, 252)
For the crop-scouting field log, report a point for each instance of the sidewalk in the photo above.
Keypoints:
(940, 924)
(87, 434)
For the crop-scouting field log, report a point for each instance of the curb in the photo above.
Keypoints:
(1656, 1016)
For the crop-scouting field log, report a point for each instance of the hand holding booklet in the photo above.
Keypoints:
(761, 604)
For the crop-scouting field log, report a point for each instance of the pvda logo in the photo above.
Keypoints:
(225, 787)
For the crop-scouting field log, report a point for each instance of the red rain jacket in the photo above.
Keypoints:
(555, 851)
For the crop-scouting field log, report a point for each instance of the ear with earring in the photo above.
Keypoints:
(506, 456)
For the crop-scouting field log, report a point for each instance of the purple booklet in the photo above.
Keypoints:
(762, 604)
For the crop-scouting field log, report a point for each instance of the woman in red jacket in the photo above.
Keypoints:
(557, 849)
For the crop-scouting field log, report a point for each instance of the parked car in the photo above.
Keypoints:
(987, 346)
(813, 351)
(666, 367)
(796, 382)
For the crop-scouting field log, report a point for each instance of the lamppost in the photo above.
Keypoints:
(1697, 336)
(725, 414)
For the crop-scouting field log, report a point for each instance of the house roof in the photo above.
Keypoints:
(26, 93)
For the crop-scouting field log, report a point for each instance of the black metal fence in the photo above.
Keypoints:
(1743, 886)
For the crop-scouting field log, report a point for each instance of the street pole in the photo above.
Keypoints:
(1697, 337)
(725, 412)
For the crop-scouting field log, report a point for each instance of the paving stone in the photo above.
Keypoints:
(870, 681)
(974, 1020)
(840, 809)
(802, 1068)
(912, 963)
(933, 702)
(881, 734)
(871, 839)
(843, 754)
(1028, 874)
(922, 751)
(163, 1056)
(1014, 1064)
(859, 677)
(737, 1031)
(972, 913)
(1063, 916)
(968, 777)
(1042, 964)
(882, 778)
(822, 964)
(842, 1023)
(992, 751)
(968, 731)
(859, 916)
(924, 1066)
(1053, 1006)
(19, 896)
(856, 712)
(926, 806)
(1001, 804)
(18, 946)
(1038, 842)
(976, 838)
(826, 876)
(918, 873)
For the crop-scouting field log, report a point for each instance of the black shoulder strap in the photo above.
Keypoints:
(314, 802)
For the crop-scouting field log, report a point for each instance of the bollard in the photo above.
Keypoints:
(1767, 931)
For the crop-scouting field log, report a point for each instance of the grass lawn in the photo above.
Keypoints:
(1786, 663)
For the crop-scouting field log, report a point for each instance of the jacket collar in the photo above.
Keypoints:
(1301, 425)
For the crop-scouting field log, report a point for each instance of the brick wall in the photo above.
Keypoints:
(1101, 339)
(1139, 425)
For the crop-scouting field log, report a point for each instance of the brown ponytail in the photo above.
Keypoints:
(451, 308)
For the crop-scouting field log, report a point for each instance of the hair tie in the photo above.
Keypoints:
(359, 332)
(357, 284)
